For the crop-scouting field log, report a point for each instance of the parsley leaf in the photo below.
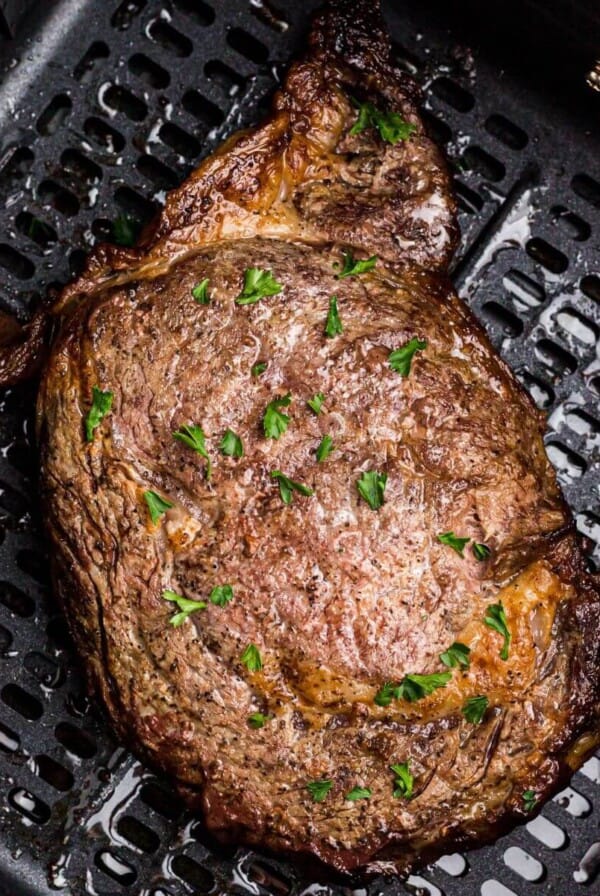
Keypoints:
(287, 487)
(257, 720)
(101, 405)
(231, 444)
(319, 789)
(200, 293)
(474, 709)
(358, 793)
(251, 658)
(496, 618)
(371, 487)
(258, 368)
(316, 403)
(354, 266)
(529, 800)
(157, 506)
(257, 285)
(185, 605)
(392, 126)
(125, 230)
(386, 693)
(221, 595)
(333, 327)
(456, 655)
(453, 541)
(274, 422)
(404, 780)
(480, 551)
(325, 448)
(193, 436)
(414, 687)
(401, 358)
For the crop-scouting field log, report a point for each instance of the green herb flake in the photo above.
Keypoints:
(358, 793)
(495, 618)
(157, 506)
(386, 693)
(352, 267)
(231, 444)
(371, 487)
(287, 487)
(319, 789)
(221, 595)
(392, 126)
(456, 655)
(325, 448)
(251, 658)
(200, 293)
(193, 437)
(258, 284)
(333, 326)
(275, 423)
(404, 782)
(258, 368)
(453, 541)
(474, 709)
(186, 606)
(529, 800)
(414, 687)
(101, 405)
(480, 551)
(400, 359)
(125, 230)
(257, 720)
(316, 403)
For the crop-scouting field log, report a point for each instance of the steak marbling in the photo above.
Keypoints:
(341, 600)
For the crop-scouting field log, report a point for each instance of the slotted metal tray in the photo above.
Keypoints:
(104, 105)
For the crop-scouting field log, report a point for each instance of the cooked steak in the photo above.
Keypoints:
(304, 529)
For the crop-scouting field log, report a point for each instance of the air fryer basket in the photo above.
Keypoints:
(104, 106)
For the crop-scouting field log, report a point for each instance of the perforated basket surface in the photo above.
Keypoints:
(105, 105)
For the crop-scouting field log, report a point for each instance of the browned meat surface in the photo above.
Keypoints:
(340, 597)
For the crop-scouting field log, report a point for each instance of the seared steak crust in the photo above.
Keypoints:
(338, 598)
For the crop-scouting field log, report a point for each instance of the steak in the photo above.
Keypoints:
(304, 529)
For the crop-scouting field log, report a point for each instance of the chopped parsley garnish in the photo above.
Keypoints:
(480, 551)
(333, 326)
(287, 487)
(257, 720)
(414, 687)
(401, 358)
(325, 448)
(275, 422)
(355, 266)
(474, 709)
(125, 230)
(319, 789)
(456, 655)
(495, 618)
(386, 693)
(251, 658)
(231, 444)
(157, 506)
(193, 436)
(258, 368)
(221, 595)
(371, 487)
(529, 800)
(453, 541)
(101, 405)
(358, 793)
(392, 126)
(403, 785)
(257, 285)
(316, 403)
(200, 292)
(185, 605)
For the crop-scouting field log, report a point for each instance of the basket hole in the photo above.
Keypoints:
(577, 326)
(179, 140)
(468, 200)
(590, 285)
(503, 319)
(17, 601)
(6, 640)
(55, 113)
(569, 223)
(169, 38)
(13, 502)
(269, 878)
(47, 672)
(201, 12)
(163, 177)
(15, 263)
(223, 76)
(247, 45)
(436, 128)
(38, 231)
(480, 161)
(76, 741)
(148, 71)
(453, 94)
(581, 423)
(495, 888)
(163, 801)
(77, 260)
(81, 167)
(9, 741)
(573, 802)
(524, 864)
(193, 874)
(506, 132)
(558, 359)
(89, 61)
(134, 205)
(58, 633)
(115, 867)
(591, 768)
(18, 165)
(588, 188)
(549, 257)
(102, 134)
(34, 564)
(541, 392)
(547, 832)
(589, 866)
(52, 194)
(455, 865)
(421, 887)
(124, 15)
(526, 293)
(29, 805)
(589, 525)
(270, 14)
(53, 773)
(119, 99)
(198, 106)
(138, 834)
(21, 702)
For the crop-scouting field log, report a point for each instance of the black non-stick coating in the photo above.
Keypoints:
(104, 106)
